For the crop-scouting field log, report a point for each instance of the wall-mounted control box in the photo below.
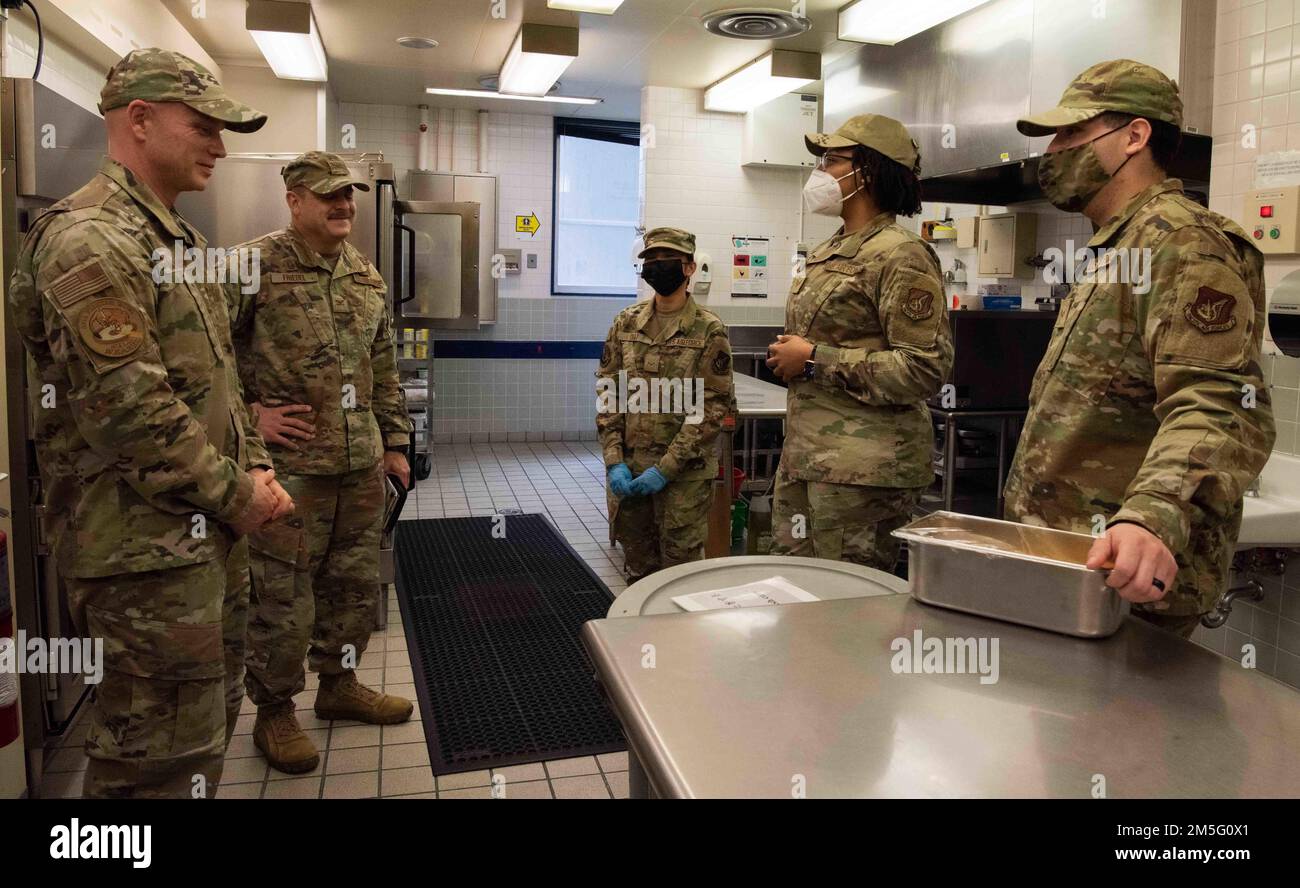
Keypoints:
(1272, 219)
(1006, 241)
(510, 261)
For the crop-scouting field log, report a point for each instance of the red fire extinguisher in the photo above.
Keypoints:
(8, 676)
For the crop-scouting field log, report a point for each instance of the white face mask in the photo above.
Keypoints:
(821, 193)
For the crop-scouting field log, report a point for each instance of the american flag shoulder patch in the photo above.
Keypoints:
(77, 284)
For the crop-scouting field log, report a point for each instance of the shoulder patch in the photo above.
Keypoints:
(919, 304)
(293, 277)
(111, 327)
(721, 363)
(77, 284)
(1211, 311)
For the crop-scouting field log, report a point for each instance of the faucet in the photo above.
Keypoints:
(1251, 590)
(1253, 489)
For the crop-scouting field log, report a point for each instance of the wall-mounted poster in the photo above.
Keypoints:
(749, 268)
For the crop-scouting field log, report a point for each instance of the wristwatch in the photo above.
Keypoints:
(810, 365)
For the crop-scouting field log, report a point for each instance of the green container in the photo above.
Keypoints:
(739, 519)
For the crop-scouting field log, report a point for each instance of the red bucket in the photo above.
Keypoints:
(737, 480)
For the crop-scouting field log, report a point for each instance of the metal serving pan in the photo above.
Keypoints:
(1014, 572)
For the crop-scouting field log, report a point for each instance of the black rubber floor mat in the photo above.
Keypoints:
(492, 630)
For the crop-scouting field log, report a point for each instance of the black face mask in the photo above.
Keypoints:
(663, 275)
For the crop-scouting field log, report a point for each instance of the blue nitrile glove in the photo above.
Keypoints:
(648, 482)
(620, 476)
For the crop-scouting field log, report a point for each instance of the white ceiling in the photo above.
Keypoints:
(645, 43)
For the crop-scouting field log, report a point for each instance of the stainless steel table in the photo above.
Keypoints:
(950, 417)
(763, 701)
(759, 399)
(825, 579)
(755, 399)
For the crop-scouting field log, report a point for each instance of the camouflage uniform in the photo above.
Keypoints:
(1136, 412)
(668, 527)
(143, 455)
(314, 335)
(859, 439)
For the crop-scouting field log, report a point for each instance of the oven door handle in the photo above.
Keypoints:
(408, 280)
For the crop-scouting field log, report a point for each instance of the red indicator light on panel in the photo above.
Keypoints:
(1266, 212)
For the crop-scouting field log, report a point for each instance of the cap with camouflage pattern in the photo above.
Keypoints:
(321, 172)
(159, 75)
(884, 134)
(1118, 85)
(668, 238)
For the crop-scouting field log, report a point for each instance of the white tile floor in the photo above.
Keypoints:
(564, 480)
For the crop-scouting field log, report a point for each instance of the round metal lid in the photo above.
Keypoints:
(823, 578)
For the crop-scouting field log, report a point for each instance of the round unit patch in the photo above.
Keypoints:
(112, 327)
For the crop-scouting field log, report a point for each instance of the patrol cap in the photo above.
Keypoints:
(321, 172)
(670, 238)
(1121, 85)
(160, 75)
(884, 134)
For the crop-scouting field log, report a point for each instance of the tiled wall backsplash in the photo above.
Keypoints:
(1271, 625)
(514, 400)
(520, 400)
(1257, 111)
(694, 180)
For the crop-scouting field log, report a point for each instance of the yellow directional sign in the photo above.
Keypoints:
(527, 224)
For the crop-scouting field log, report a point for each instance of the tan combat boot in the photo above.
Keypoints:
(343, 697)
(281, 739)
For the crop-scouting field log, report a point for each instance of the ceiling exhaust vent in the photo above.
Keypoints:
(755, 23)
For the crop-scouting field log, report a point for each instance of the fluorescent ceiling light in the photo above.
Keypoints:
(888, 21)
(537, 58)
(286, 35)
(603, 7)
(762, 80)
(490, 94)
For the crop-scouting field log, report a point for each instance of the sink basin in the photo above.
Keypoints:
(1273, 517)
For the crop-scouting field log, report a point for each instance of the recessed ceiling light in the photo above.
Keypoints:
(602, 7)
(773, 74)
(888, 22)
(417, 42)
(286, 34)
(537, 58)
(492, 94)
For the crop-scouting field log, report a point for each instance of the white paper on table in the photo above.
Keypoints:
(760, 593)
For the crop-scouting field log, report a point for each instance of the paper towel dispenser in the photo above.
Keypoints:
(1284, 315)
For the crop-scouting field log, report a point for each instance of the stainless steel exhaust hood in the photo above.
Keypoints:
(960, 87)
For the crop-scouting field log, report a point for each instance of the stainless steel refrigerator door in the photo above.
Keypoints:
(440, 264)
(462, 188)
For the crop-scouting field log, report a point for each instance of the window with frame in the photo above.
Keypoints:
(596, 205)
